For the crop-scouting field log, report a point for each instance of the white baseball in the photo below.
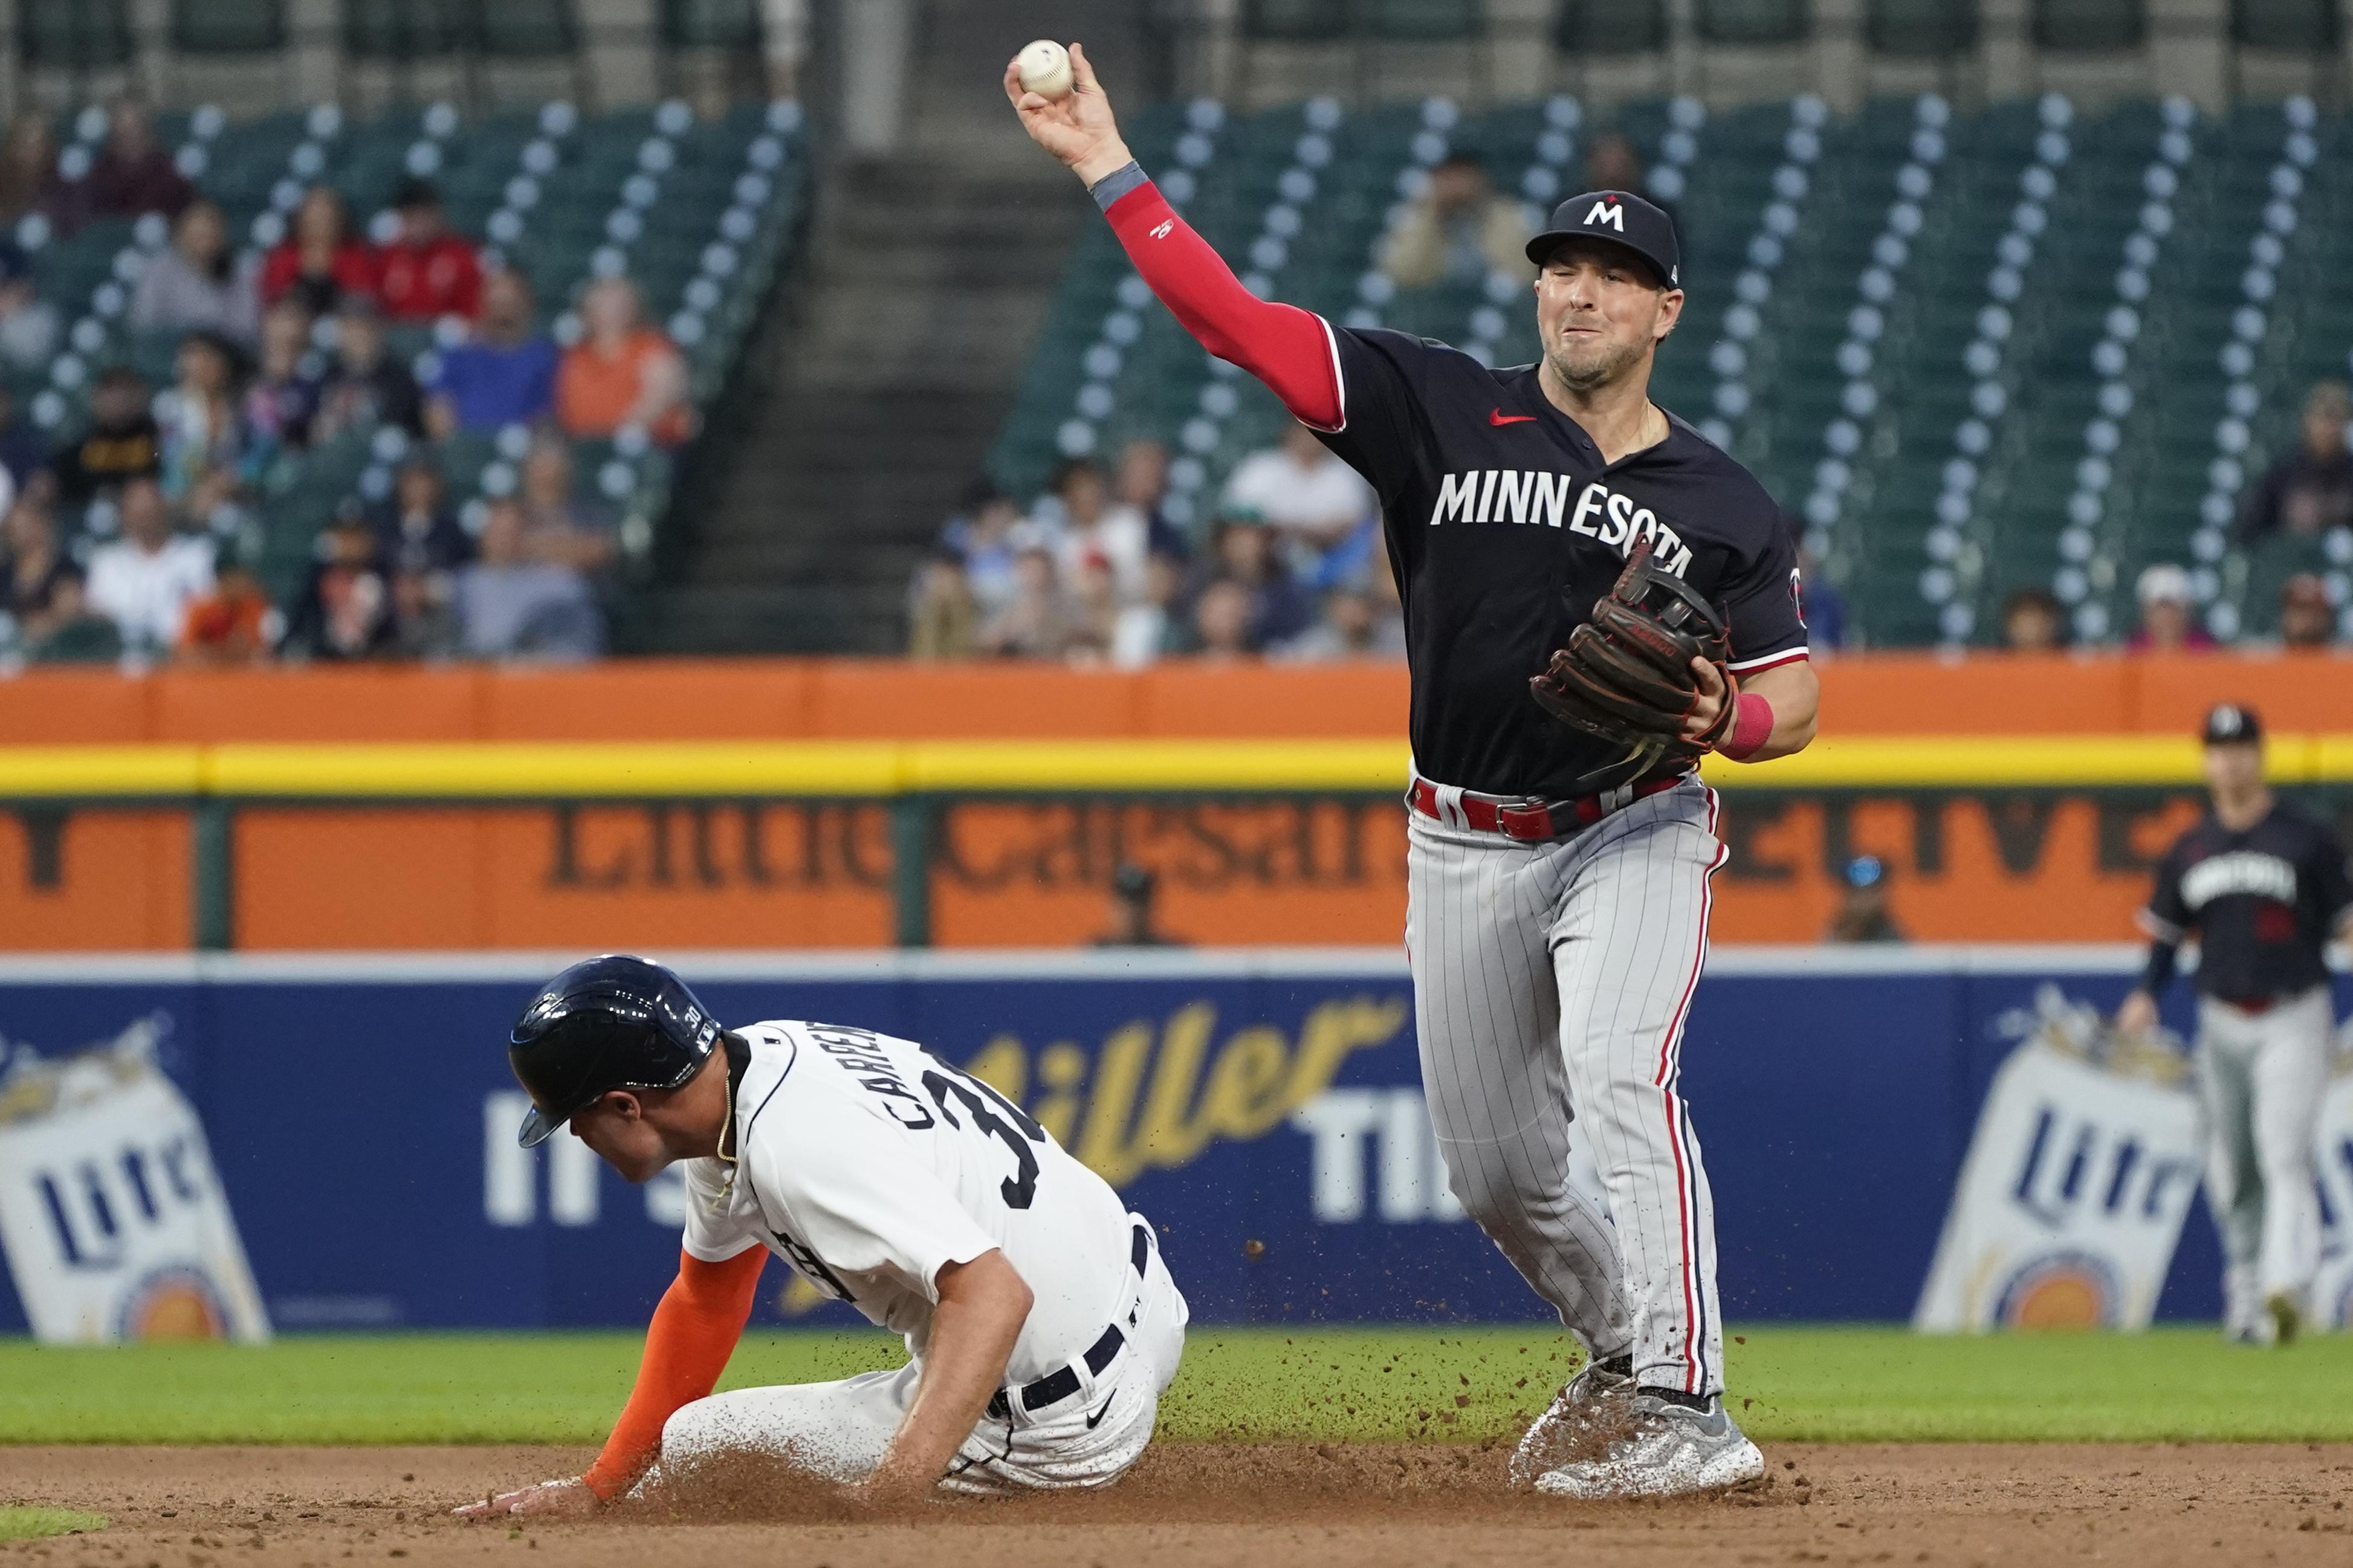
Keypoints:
(1046, 68)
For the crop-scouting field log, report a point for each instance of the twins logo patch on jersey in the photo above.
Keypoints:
(1536, 498)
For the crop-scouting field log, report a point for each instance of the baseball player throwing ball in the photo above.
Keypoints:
(2264, 887)
(1040, 1324)
(1595, 595)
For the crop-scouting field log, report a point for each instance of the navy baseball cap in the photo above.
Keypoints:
(2231, 724)
(1622, 218)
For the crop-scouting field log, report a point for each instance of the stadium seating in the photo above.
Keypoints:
(1971, 353)
(561, 196)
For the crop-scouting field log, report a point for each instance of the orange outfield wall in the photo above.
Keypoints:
(677, 700)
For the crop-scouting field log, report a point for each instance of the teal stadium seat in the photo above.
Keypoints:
(74, 35)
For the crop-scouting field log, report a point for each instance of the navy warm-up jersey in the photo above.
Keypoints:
(2262, 902)
(1504, 526)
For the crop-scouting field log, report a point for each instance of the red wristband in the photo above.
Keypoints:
(1752, 726)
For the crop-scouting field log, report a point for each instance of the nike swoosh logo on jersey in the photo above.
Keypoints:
(1099, 1415)
(1499, 418)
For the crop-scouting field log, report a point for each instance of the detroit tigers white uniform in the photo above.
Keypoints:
(869, 1164)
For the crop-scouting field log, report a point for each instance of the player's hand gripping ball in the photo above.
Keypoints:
(1045, 68)
(1627, 675)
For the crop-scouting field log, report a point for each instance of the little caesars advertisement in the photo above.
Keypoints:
(113, 1224)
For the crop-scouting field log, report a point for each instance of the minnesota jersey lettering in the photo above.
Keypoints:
(2264, 876)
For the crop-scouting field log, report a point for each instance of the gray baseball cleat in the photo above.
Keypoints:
(1566, 1419)
(1665, 1450)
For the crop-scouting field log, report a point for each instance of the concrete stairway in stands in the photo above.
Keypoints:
(932, 272)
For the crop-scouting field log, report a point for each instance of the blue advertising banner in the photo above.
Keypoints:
(1263, 1108)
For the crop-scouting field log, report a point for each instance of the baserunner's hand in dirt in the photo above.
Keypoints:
(549, 1499)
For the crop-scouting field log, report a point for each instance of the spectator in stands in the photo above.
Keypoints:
(982, 535)
(621, 373)
(2168, 610)
(30, 327)
(1141, 482)
(321, 260)
(144, 581)
(1612, 162)
(199, 283)
(24, 450)
(505, 375)
(1085, 524)
(1132, 890)
(1095, 604)
(416, 529)
(2308, 491)
(424, 615)
(1321, 507)
(344, 610)
(2307, 619)
(234, 624)
(135, 173)
(206, 437)
(284, 397)
(1221, 622)
(1459, 230)
(560, 527)
(1153, 626)
(121, 442)
(1351, 626)
(1862, 915)
(2033, 621)
(1036, 622)
(365, 385)
(1243, 551)
(40, 586)
(510, 606)
(942, 618)
(428, 272)
(29, 181)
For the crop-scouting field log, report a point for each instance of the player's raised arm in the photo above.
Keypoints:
(1287, 347)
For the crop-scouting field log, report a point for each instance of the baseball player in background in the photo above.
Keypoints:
(1558, 876)
(1041, 1326)
(2263, 889)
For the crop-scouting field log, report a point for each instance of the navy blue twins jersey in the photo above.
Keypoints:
(1504, 526)
(2262, 902)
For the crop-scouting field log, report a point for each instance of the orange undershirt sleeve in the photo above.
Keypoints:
(692, 1333)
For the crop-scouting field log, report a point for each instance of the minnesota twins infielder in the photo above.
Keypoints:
(1040, 1324)
(1555, 935)
(2264, 887)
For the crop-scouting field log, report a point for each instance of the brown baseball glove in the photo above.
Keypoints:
(1626, 675)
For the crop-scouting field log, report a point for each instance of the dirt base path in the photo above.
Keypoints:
(1200, 1504)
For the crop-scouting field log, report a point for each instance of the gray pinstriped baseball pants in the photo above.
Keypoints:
(1551, 985)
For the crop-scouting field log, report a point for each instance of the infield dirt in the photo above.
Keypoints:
(1199, 1504)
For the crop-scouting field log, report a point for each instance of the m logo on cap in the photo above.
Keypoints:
(1608, 212)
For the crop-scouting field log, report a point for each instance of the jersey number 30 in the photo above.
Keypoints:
(1013, 1128)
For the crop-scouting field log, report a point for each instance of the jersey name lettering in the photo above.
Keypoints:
(1541, 499)
(2241, 872)
(853, 1050)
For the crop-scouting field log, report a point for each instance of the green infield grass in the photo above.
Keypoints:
(1788, 1384)
(32, 1524)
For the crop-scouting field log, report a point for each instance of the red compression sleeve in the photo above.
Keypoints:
(692, 1333)
(1285, 347)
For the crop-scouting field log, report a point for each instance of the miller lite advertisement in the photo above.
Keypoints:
(114, 1225)
(2071, 1201)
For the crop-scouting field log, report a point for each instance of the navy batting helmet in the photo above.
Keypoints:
(605, 1024)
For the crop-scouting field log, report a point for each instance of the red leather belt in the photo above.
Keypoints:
(1517, 816)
